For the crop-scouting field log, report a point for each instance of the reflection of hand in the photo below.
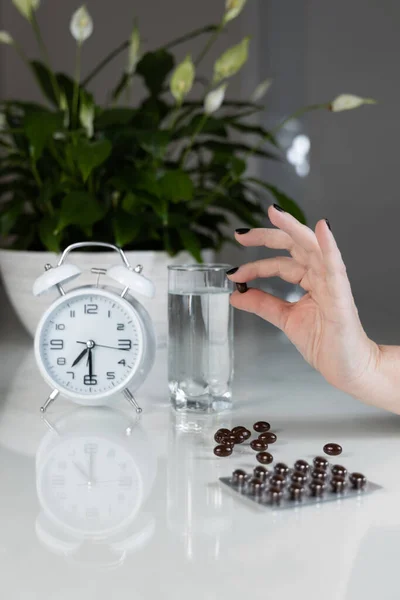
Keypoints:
(324, 325)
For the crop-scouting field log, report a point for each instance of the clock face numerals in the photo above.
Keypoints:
(90, 344)
(91, 484)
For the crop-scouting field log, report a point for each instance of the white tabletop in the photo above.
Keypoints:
(180, 535)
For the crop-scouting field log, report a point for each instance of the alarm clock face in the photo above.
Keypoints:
(89, 344)
(91, 485)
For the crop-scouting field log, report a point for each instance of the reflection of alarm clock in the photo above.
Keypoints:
(94, 470)
(93, 342)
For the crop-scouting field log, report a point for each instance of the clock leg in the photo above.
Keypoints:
(132, 400)
(49, 400)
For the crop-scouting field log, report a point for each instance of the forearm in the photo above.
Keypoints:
(381, 384)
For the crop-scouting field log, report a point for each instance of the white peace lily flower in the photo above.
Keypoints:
(26, 7)
(232, 60)
(213, 101)
(81, 25)
(261, 90)
(182, 79)
(87, 118)
(6, 38)
(348, 102)
(134, 48)
(233, 8)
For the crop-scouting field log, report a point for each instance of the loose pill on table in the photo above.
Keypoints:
(261, 426)
(223, 451)
(221, 434)
(238, 429)
(258, 445)
(268, 437)
(265, 458)
(332, 449)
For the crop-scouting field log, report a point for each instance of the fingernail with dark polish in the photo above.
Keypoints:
(277, 207)
(242, 287)
(232, 271)
(242, 230)
(329, 225)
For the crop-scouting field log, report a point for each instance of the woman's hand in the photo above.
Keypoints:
(323, 325)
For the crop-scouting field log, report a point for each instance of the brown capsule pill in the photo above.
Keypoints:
(299, 477)
(265, 458)
(332, 449)
(223, 450)
(277, 481)
(261, 473)
(261, 426)
(242, 288)
(258, 445)
(339, 471)
(296, 491)
(256, 486)
(275, 495)
(319, 475)
(358, 481)
(281, 469)
(268, 437)
(320, 463)
(221, 434)
(247, 434)
(239, 476)
(302, 466)
(338, 484)
(317, 488)
(240, 437)
(238, 429)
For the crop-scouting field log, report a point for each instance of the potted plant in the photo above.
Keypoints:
(160, 177)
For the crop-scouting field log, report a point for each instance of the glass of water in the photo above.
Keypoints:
(200, 346)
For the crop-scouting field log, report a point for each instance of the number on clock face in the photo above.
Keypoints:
(90, 344)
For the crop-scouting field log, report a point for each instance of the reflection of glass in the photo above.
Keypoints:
(94, 470)
(198, 510)
(200, 338)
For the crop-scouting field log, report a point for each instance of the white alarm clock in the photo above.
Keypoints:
(94, 342)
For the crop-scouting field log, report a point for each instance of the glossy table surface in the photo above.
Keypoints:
(156, 523)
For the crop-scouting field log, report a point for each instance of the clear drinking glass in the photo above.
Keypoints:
(200, 346)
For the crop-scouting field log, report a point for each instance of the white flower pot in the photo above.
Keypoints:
(20, 269)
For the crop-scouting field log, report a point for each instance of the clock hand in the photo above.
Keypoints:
(82, 354)
(90, 363)
(112, 347)
(81, 471)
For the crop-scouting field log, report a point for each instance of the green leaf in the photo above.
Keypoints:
(176, 186)
(191, 243)
(40, 126)
(238, 166)
(114, 116)
(283, 200)
(154, 142)
(228, 148)
(43, 77)
(49, 239)
(9, 215)
(89, 155)
(79, 208)
(212, 126)
(126, 228)
(252, 129)
(154, 67)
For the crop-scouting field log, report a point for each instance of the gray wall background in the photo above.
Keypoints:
(314, 49)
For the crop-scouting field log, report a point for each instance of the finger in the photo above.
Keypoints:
(264, 305)
(335, 269)
(300, 234)
(281, 266)
(271, 238)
